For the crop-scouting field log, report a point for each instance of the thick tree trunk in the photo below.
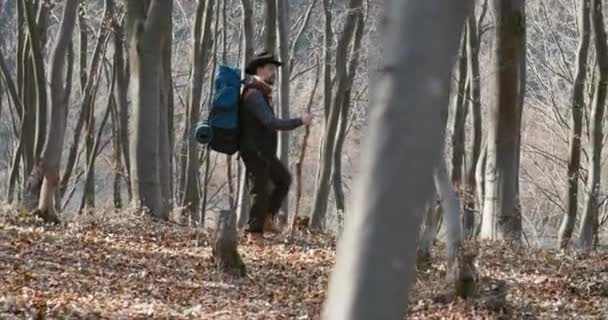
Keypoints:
(576, 126)
(322, 189)
(201, 43)
(589, 219)
(53, 147)
(284, 72)
(166, 110)
(502, 217)
(146, 38)
(421, 45)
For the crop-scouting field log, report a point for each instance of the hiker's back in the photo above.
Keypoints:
(254, 136)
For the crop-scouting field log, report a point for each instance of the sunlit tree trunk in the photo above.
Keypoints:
(576, 126)
(421, 44)
(146, 36)
(589, 219)
(53, 147)
(501, 213)
(321, 197)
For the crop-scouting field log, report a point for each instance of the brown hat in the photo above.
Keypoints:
(261, 59)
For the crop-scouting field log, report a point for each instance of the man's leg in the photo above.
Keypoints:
(281, 178)
(259, 180)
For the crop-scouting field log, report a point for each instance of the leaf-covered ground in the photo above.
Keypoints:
(126, 267)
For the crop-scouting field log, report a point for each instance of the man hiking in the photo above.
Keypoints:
(269, 178)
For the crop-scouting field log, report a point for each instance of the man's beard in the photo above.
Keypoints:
(270, 81)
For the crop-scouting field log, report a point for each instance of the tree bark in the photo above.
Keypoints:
(146, 38)
(460, 273)
(166, 113)
(576, 126)
(421, 45)
(473, 43)
(321, 197)
(458, 123)
(344, 115)
(270, 25)
(36, 44)
(90, 84)
(428, 230)
(284, 72)
(53, 147)
(121, 93)
(89, 172)
(589, 219)
(225, 252)
(502, 217)
(302, 156)
(242, 206)
(201, 41)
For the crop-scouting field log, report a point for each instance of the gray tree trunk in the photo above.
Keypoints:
(589, 219)
(473, 44)
(166, 114)
(501, 215)
(576, 126)
(242, 206)
(270, 25)
(420, 47)
(146, 38)
(319, 207)
(201, 42)
(458, 122)
(344, 115)
(284, 72)
(53, 147)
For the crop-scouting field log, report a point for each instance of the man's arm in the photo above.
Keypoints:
(256, 103)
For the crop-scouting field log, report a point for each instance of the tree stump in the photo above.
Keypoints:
(225, 253)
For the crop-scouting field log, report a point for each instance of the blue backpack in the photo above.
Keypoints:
(221, 129)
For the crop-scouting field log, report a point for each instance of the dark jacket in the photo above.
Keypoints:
(258, 122)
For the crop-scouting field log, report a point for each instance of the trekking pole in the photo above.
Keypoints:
(303, 153)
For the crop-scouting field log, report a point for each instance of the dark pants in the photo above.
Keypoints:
(269, 182)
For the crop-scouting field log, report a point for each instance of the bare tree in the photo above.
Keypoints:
(201, 42)
(368, 283)
(589, 219)
(473, 45)
(148, 22)
(283, 35)
(344, 120)
(49, 166)
(319, 207)
(501, 212)
(576, 126)
(458, 121)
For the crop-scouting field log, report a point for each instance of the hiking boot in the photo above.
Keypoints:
(255, 238)
(271, 226)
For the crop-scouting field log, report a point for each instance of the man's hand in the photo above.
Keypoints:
(307, 119)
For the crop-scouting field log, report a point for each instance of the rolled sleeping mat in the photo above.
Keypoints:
(203, 132)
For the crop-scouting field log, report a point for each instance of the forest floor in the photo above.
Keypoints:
(127, 267)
